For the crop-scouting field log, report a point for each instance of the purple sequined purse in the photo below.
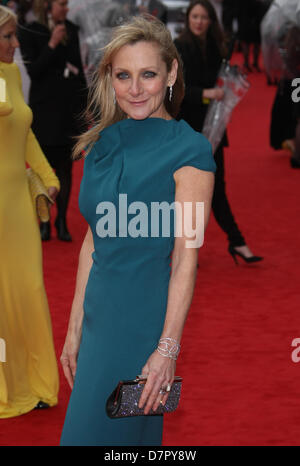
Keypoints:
(123, 402)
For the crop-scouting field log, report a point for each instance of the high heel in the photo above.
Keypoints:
(295, 163)
(45, 231)
(233, 252)
(247, 68)
(256, 66)
(42, 405)
(62, 230)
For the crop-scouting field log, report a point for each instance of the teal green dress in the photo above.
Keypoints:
(127, 290)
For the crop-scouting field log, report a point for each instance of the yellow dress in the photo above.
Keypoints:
(29, 373)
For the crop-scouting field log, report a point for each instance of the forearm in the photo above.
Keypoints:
(180, 294)
(38, 162)
(84, 267)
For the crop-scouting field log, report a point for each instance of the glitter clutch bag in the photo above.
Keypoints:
(123, 402)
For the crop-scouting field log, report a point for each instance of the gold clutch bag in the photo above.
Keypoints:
(39, 195)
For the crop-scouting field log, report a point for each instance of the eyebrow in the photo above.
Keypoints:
(142, 69)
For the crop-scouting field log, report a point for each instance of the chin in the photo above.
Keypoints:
(139, 115)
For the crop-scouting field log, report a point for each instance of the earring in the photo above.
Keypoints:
(114, 96)
(170, 93)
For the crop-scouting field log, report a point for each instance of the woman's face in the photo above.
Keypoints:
(8, 41)
(59, 10)
(199, 21)
(140, 80)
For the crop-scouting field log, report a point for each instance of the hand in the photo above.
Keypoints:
(53, 192)
(216, 93)
(58, 34)
(69, 356)
(160, 372)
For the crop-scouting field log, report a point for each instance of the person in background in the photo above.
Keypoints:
(153, 7)
(25, 12)
(95, 19)
(58, 93)
(202, 48)
(229, 14)
(285, 116)
(29, 377)
(249, 15)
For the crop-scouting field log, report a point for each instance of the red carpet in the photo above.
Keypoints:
(240, 384)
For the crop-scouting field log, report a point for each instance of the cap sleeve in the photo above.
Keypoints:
(196, 151)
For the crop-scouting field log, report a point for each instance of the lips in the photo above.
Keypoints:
(141, 102)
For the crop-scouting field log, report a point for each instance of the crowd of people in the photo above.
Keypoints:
(145, 96)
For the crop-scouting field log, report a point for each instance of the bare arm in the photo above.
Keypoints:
(192, 185)
(71, 347)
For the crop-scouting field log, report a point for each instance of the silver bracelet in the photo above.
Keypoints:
(169, 348)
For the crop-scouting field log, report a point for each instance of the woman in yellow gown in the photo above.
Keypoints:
(29, 375)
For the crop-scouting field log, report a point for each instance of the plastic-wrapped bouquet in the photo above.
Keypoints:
(282, 17)
(235, 86)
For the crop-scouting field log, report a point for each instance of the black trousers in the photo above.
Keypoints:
(220, 205)
(60, 159)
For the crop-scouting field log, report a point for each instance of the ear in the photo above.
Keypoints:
(172, 76)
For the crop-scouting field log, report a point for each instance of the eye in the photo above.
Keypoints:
(149, 74)
(122, 75)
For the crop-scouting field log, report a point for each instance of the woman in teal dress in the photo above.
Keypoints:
(127, 297)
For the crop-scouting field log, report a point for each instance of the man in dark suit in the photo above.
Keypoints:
(58, 94)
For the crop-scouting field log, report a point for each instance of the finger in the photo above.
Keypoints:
(158, 401)
(147, 390)
(73, 365)
(145, 393)
(67, 372)
(153, 396)
(164, 394)
(164, 399)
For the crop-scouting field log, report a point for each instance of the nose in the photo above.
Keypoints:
(135, 88)
(15, 42)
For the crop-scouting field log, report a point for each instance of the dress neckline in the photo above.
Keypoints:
(4, 65)
(149, 119)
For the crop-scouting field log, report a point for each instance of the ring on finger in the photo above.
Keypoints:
(162, 391)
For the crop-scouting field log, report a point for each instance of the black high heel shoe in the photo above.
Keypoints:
(256, 66)
(250, 260)
(295, 163)
(45, 230)
(62, 230)
(42, 405)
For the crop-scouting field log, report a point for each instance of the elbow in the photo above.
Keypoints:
(185, 261)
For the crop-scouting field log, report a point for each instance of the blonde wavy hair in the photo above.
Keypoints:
(102, 109)
(6, 14)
